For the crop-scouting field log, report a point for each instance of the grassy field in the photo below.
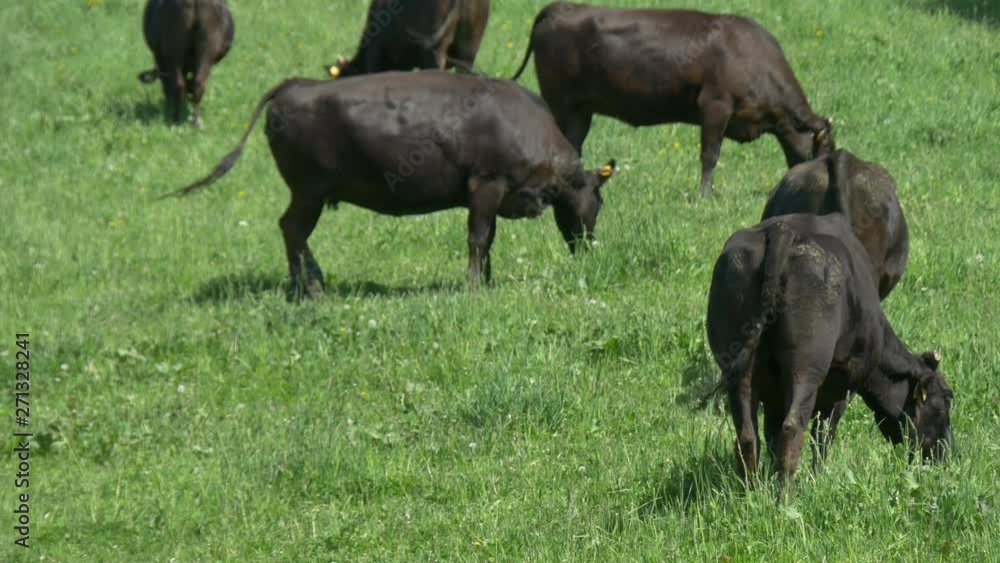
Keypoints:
(184, 411)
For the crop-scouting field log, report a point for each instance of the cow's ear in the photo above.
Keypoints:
(932, 359)
(607, 171)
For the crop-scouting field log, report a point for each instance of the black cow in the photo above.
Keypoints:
(405, 143)
(795, 323)
(863, 191)
(427, 34)
(186, 37)
(723, 72)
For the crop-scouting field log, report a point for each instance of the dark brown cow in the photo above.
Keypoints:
(795, 323)
(427, 34)
(864, 192)
(723, 72)
(187, 37)
(406, 143)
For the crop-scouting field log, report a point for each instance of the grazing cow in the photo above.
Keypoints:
(723, 72)
(186, 37)
(795, 323)
(427, 34)
(863, 191)
(405, 143)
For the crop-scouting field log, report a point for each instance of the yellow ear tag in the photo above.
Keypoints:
(334, 71)
(924, 396)
(606, 171)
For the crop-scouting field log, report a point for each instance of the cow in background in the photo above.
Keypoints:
(426, 34)
(187, 37)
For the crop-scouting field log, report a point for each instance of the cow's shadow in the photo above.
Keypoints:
(246, 285)
(699, 382)
(987, 11)
(711, 471)
(146, 111)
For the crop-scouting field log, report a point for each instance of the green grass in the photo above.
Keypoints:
(199, 416)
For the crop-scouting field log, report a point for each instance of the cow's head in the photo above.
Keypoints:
(578, 204)
(823, 143)
(928, 407)
(344, 67)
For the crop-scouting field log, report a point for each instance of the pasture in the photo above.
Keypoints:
(184, 410)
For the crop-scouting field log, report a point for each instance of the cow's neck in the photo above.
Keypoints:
(887, 389)
(897, 362)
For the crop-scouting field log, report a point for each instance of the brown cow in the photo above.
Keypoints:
(723, 72)
(795, 323)
(865, 193)
(408, 143)
(427, 34)
(187, 37)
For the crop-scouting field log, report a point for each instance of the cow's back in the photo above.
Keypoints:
(864, 192)
(628, 62)
(827, 291)
(400, 141)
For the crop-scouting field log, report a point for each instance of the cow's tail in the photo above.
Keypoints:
(540, 18)
(778, 240)
(230, 159)
(837, 187)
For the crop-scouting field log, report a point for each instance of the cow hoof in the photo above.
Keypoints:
(314, 289)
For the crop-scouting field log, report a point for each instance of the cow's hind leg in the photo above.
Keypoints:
(297, 224)
(198, 90)
(802, 382)
(464, 50)
(743, 408)
(174, 84)
(774, 414)
(715, 114)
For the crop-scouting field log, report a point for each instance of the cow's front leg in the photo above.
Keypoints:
(484, 202)
(824, 430)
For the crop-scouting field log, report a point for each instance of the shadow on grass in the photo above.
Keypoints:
(985, 11)
(692, 482)
(699, 381)
(236, 287)
(146, 112)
